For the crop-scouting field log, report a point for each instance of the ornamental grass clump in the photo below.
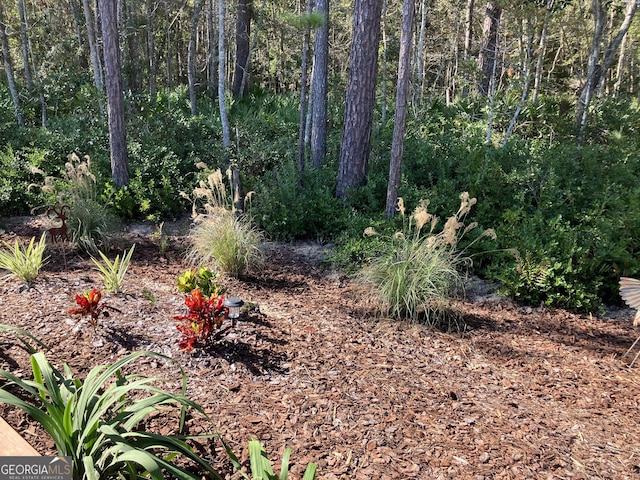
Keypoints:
(222, 236)
(24, 263)
(420, 270)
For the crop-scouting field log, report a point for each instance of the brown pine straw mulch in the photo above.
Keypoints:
(519, 393)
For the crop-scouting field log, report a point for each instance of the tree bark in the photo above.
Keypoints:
(542, 45)
(319, 88)
(24, 43)
(151, 48)
(191, 61)
(303, 90)
(115, 98)
(593, 75)
(243, 34)
(360, 96)
(487, 59)
(468, 40)
(224, 120)
(93, 48)
(8, 68)
(402, 94)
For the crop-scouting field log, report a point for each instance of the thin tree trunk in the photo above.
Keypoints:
(24, 43)
(303, 89)
(492, 87)
(542, 45)
(151, 49)
(243, 34)
(420, 77)
(487, 60)
(402, 94)
(614, 45)
(115, 98)
(77, 23)
(593, 75)
(468, 39)
(8, 68)
(93, 49)
(211, 78)
(525, 88)
(191, 67)
(224, 120)
(620, 67)
(254, 41)
(383, 88)
(319, 88)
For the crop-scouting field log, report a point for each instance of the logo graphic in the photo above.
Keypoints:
(35, 468)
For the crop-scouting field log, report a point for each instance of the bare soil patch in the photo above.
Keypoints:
(519, 393)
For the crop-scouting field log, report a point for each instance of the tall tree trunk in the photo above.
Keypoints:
(151, 49)
(222, 52)
(191, 66)
(383, 87)
(238, 197)
(24, 43)
(527, 82)
(420, 76)
(402, 94)
(319, 88)
(77, 23)
(243, 35)
(620, 67)
(487, 60)
(542, 45)
(211, 78)
(360, 96)
(93, 49)
(115, 98)
(8, 68)
(596, 71)
(612, 49)
(468, 40)
(593, 69)
(303, 89)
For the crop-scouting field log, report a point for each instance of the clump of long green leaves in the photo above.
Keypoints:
(97, 421)
(24, 263)
(261, 466)
(112, 273)
(419, 271)
(222, 237)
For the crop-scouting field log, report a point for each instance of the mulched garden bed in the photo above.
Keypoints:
(516, 393)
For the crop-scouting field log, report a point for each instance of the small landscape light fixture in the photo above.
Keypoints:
(233, 304)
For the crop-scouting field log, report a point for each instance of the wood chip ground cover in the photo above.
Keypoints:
(520, 393)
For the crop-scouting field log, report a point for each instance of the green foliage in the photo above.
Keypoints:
(16, 196)
(98, 421)
(24, 263)
(203, 279)
(112, 273)
(419, 271)
(261, 468)
(291, 206)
